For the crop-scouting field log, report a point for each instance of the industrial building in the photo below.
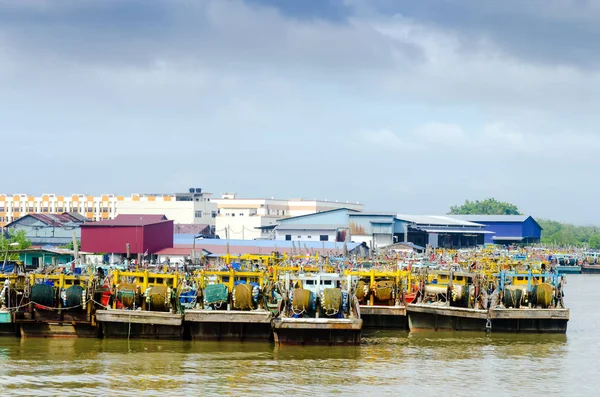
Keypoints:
(250, 219)
(143, 234)
(184, 248)
(49, 229)
(189, 207)
(442, 231)
(379, 229)
(507, 229)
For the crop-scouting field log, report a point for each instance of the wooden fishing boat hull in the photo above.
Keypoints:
(317, 331)
(140, 324)
(252, 325)
(552, 321)
(428, 317)
(590, 269)
(569, 269)
(384, 317)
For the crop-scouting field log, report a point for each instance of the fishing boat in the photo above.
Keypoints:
(448, 300)
(566, 264)
(519, 302)
(142, 305)
(231, 306)
(591, 265)
(56, 305)
(318, 308)
(382, 295)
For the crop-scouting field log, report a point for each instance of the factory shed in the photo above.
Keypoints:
(143, 233)
(48, 229)
(507, 229)
(443, 231)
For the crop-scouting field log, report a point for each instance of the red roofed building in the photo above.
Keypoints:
(143, 233)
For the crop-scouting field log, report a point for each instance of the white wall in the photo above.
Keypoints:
(177, 211)
(242, 227)
(305, 235)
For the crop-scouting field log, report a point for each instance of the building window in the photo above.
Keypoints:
(299, 237)
(1, 209)
(232, 214)
(214, 214)
(308, 236)
(324, 237)
(104, 209)
(45, 209)
(288, 237)
(60, 209)
(198, 214)
(241, 214)
(30, 209)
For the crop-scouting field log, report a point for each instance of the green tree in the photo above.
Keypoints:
(595, 241)
(489, 206)
(15, 240)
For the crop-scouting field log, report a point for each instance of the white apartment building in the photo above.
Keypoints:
(243, 218)
(193, 207)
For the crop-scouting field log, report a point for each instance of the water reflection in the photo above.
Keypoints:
(388, 362)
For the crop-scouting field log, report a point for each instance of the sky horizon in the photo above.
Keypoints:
(403, 106)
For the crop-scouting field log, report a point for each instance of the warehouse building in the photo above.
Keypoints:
(507, 229)
(143, 234)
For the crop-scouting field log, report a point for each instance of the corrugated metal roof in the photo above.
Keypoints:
(215, 247)
(491, 218)
(130, 220)
(57, 220)
(188, 239)
(311, 227)
(435, 220)
(449, 230)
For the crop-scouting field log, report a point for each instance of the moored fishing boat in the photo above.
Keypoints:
(231, 307)
(519, 302)
(318, 308)
(382, 295)
(142, 305)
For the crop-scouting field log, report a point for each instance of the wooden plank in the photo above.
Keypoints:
(447, 311)
(139, 317)
(317, 323)
(217, 316)
(382, 310)
(524, 314)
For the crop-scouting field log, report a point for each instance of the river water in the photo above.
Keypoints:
(392, 363)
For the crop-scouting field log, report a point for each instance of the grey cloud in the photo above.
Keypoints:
(560, 32)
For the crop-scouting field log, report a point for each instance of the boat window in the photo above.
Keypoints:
(159, 280)
(151, 280)
(310, 282)
(459, 278)
(520, 278)
(327, 282)
(141, 279)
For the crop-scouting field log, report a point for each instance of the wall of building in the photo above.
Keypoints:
(502, 229)
(177, 211)
(113, 239)
(240, 225)
(306, 235)
(531, 229)
(40, 233)
(322, 218)
(107, 206)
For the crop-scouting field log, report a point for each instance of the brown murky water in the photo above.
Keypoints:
(387, 362)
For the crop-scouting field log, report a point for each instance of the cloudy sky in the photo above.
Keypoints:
(407, 106)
